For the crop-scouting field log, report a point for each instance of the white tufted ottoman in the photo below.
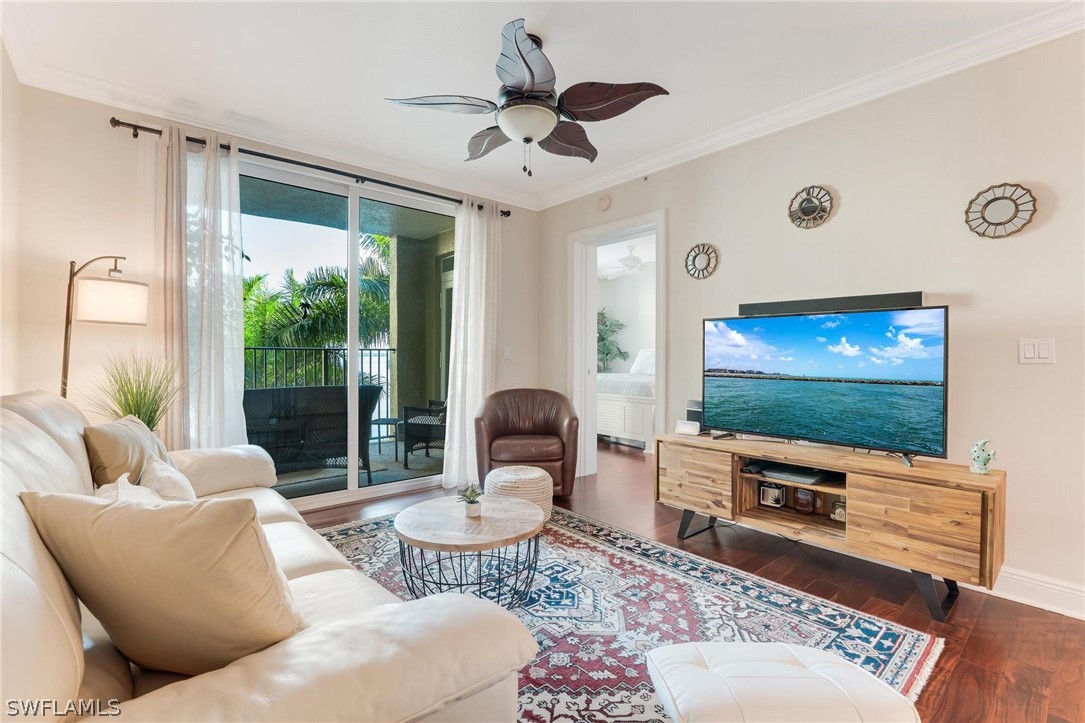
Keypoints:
(528, 483)
(769, 683)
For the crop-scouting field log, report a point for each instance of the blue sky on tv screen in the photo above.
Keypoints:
(854, 345)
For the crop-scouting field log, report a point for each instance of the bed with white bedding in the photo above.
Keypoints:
(625, 402)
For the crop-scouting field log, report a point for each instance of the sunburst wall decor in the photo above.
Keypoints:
(1000, 210)
(810, 207)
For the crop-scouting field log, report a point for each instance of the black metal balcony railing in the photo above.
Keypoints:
(275, 367)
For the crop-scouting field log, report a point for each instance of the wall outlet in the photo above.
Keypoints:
(1035, 351)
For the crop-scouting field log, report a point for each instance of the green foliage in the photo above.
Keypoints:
(141, 386)
(312, 312)
(470, 495)
(608, 349)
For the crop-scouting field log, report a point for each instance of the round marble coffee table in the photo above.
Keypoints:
(493, 556)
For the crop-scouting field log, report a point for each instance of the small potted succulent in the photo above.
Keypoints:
(473, 497)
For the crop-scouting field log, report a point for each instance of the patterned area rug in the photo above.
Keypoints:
(603, 597)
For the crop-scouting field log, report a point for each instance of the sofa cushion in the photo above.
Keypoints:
(270, 505)
(300, 551)
(198, 587)
(40, 616)
(108, 674)
(526, 447)
(125, 446)
(225, 469)
(62, 421)
(325, 597)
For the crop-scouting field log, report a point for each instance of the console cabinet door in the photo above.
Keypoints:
(923, 527)
(695, 479)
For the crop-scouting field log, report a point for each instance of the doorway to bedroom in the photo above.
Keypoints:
(617, 360)
(625, 342)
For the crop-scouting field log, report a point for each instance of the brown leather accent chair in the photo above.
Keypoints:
(536, 427)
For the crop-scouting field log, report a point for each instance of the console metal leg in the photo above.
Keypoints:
(687, 517)
(939, 608)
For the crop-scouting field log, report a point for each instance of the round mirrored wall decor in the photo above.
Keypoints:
(1000, 210)
(810, 207)
(701, 261)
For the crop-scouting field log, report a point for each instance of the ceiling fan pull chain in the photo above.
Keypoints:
(525, 158)
(529, 174)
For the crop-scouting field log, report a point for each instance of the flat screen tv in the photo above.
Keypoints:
(869, 379)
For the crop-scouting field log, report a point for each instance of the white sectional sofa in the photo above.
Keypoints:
(364, 655)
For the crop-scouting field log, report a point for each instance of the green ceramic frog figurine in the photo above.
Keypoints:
(981, 457)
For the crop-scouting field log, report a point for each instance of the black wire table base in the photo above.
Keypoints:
(502, 575)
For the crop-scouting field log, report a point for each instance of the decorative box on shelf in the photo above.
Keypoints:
(772, 494)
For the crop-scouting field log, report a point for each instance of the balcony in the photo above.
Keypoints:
(296, 408)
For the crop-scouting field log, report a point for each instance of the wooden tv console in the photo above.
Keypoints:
(935, 518)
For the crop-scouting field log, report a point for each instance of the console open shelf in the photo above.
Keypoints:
(933, 518)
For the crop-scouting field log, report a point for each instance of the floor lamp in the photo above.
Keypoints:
(97, 300)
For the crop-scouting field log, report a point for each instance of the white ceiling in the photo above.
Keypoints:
(606, 259)
(312, 76)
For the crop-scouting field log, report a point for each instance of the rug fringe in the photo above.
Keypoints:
(922, 677)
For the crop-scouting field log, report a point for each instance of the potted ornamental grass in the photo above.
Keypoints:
(139, 385)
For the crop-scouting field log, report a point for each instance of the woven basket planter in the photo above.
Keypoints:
(528, 483)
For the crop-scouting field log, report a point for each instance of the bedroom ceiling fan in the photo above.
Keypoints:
(631, 264)
(530, 110)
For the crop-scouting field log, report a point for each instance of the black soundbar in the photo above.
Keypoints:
(902, 300)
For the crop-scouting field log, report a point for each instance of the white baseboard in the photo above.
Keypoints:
(1040, 591)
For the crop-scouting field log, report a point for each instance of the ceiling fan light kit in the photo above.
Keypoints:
(531, 110)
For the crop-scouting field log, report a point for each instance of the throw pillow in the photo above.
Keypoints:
(122, 489)
(182, 587)
(125, 445)
(645, 363)
(168, 481)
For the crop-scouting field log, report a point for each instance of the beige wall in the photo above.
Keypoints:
(84, 196)
(11, 111)
(902, 169)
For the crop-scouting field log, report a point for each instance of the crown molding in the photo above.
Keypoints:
(18, 38)
(1040, 28)
(1047, 25)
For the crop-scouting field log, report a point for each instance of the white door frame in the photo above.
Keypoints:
(583, 292)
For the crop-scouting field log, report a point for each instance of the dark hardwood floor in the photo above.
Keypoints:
(1003, 661)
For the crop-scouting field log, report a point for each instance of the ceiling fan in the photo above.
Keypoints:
(631, 264)
(530, 110)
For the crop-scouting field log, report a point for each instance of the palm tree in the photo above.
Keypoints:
(312, 312)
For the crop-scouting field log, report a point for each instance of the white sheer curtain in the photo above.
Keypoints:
(203, 306)
(472, 368)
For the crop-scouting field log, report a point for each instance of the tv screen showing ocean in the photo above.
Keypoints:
(864, 379)
(860, 414)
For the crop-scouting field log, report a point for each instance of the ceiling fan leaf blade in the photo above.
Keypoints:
(449, 103)
(522, 64)
(569, 139)
(603, 101)
(485, 141)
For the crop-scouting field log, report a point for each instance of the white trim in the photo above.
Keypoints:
(581, 293)
(581, 370)
(1040, 591)
(1043, 27)
(346, 497)
(353, 355)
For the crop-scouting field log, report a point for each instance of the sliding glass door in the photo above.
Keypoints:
(346, 340)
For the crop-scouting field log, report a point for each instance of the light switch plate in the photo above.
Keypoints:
(1035, 351)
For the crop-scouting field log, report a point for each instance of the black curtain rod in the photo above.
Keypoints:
(137, 129)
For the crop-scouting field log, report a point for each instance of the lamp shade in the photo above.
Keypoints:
(111, 301)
